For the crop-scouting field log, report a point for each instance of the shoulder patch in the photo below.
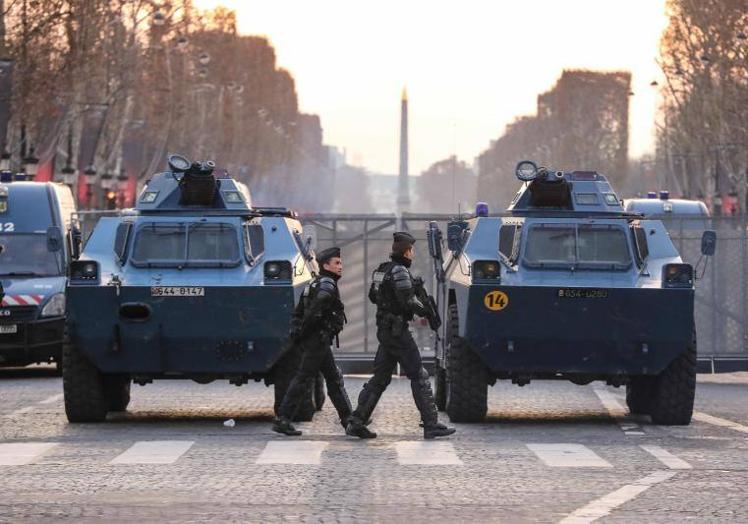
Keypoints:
(401, 277)
(327, 284)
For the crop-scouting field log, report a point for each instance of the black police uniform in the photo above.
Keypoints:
(318, 318)
(393, 291)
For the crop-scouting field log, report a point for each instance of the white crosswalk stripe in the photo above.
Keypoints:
(314, 452)
(154, 452)
(568, 456)
(666, 457)
(292, 452)
(21, 453)
(426, 453)
(618, 412)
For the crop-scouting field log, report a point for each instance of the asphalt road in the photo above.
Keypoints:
(548, 451)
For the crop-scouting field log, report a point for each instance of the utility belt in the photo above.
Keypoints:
(394, 324)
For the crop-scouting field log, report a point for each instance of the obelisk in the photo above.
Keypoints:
(403, 187)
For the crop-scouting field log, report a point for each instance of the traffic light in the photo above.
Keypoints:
(111, 200)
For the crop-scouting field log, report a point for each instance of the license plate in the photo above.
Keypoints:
(582, 293)
(177, 291)
(8, 329)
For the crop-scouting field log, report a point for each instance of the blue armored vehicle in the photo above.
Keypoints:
(565, 285)
(193, 283)
(35, 221)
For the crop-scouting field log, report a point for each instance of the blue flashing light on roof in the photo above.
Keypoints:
(664, 195)
(20, 177)
(651, 194)
(481, 209)
(6, 176)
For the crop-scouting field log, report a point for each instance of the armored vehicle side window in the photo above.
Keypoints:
(160, 243)
(551, 246)
(640, 240)
(254, 241)
(509, 240)
(120, 240)
(212, 243)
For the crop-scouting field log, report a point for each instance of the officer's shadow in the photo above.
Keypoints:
(245, 417)
(540, 418)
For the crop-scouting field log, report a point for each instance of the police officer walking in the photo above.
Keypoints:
(395, 293)
(317, 320)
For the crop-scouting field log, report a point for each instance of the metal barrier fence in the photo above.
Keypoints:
(721, 296)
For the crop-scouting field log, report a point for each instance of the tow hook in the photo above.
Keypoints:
(116, 282)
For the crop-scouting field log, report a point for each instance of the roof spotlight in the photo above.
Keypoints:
(178, 163)
(526, 170)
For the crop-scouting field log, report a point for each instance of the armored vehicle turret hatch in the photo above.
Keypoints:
(194, 283)
(565, 285)
(561, 193)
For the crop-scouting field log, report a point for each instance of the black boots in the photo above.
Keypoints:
(437, 430)
(284, 426)
(356, 429)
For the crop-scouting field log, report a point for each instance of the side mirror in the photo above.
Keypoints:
(76, 239)
(455, 236)
(708, 243)
(310, 237)
(54, 239)
(434, 237)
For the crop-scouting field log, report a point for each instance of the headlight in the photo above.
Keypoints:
(677, 275)
(486, 270)
(55, 307)
(84, 271)
(277, 270)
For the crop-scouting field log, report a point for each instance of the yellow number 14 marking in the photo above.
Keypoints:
(496, 300)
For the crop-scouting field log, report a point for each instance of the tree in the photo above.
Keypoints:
(133, 80)
(703, 130)
(582, 123)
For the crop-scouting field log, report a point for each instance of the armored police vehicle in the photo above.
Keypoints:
(566, 285)
(35, 220)
(194, 283)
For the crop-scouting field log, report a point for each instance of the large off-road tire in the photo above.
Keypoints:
(83, 386)
(466, 380)
(320, 394)
(117, 390)
(639, 395)
(283, 372)
(674, 389)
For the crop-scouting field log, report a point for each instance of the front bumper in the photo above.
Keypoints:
(35, 341)
(229, 330)
(626, 332)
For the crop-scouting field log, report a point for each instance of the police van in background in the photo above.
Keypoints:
(692, 214)
(36, 244)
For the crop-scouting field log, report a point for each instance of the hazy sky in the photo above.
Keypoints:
(470, 67)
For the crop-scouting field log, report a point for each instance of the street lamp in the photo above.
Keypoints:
(122, 180)
(107, 181)
(159, 19)
(5, 161)
(182, 43)
(68, 175)
(90, 175)
(31, 165)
